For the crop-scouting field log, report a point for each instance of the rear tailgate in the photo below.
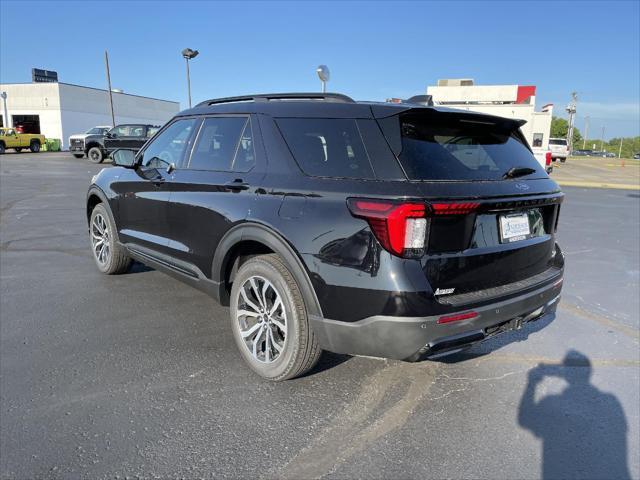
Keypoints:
(493, 210)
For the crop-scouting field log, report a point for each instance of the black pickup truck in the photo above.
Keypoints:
(129, 136)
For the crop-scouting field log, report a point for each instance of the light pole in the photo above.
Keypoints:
(106, 63)
(324, 75)
(5, 119)
(189, 54)
(602, 140)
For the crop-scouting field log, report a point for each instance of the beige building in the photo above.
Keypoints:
(511, 101)
(58, 110)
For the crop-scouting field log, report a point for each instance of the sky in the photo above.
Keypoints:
(374, 50)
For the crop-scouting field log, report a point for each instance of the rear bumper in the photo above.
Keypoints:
(410, 338)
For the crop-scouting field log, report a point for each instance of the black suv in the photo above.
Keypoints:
(393, 230)
(129, 136)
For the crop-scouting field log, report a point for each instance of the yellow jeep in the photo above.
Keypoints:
(9, 138)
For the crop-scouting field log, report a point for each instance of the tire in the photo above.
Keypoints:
(1, 148)
(288, 328)
(110, 257)
(35, 146)
(562, 160)
(18, 150)
(95, 155)
(78, 155)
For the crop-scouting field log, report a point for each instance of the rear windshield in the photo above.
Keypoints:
(327, 147)
(557, 141)
(453, 148)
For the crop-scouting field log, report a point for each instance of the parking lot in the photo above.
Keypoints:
(137, 375)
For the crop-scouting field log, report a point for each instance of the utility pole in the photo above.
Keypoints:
(602, 140)
(189, 54)
(571, 110)
(106, 62)
(620, 149)
(586, 132)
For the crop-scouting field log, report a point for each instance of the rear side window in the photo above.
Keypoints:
(327, 147)
(454, 148)
(218, 141)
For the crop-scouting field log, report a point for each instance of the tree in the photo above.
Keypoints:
(559, 127)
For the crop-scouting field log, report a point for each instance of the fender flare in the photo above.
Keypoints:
(265, 235)
(95, 190)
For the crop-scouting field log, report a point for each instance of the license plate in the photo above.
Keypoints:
(514, 227)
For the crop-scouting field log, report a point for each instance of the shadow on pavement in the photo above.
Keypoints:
(583, 430)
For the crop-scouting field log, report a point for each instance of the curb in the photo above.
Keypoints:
(617, 186)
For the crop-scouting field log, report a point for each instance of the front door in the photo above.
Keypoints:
(143, 194)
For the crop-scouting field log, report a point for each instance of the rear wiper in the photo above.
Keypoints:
(518, 172)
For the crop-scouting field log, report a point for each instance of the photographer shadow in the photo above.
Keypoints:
(583, 430)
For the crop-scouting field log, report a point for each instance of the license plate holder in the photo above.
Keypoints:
(514, 227)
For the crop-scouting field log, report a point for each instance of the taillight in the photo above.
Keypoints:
(547, 159)
(454, 208)
(401, 228)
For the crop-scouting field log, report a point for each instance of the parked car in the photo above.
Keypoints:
(581, 153)
(393, 230)
(130, 136)
(10, 138)
(597, 153)
(90, 143)
(544, 157)
(610, 155)
(636, 156)
(559, 149)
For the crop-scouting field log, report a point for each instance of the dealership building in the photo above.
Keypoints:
(511, 101)
(58, 110)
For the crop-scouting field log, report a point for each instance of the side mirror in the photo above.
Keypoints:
(124, 158)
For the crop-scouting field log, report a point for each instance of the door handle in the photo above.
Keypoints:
(237, 185)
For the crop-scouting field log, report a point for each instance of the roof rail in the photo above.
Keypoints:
(265, 97)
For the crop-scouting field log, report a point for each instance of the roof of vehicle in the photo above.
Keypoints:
(319, 105)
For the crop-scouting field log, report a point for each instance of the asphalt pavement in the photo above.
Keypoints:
(137, 375)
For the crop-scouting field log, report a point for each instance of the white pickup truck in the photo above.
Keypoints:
(544, 157)
(559, 149)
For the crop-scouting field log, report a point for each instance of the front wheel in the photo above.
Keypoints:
(95, 155)
(18, 149)
(269, 320)
(1, 148)
(111, 257)
(34, 147)
(562, 160)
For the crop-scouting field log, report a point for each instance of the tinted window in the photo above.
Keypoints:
(452, 148)
(217, 143)
(121, 131)
(245, 155)
(170, 145)
(557, 141)
(327, 147)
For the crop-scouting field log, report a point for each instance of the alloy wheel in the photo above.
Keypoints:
(262, 319)
(100, 239)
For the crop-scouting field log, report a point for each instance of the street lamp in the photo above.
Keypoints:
(5, 120)
(324, 75)
(189, 54)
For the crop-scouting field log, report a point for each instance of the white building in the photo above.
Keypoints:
(58, 110)
(511, 101)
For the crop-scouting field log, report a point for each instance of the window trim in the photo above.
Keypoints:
(247, 117)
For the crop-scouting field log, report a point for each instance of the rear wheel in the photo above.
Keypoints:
(562, 160)
(35, 146)
(18, 149)
(111, 258)
(269, 320)
(1, 148)
(95, 155)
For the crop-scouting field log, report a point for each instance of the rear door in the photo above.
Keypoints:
(492, 208)
(214, 188)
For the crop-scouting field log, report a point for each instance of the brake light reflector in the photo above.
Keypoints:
(401, 228)
(457, 317)
(547, 159)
